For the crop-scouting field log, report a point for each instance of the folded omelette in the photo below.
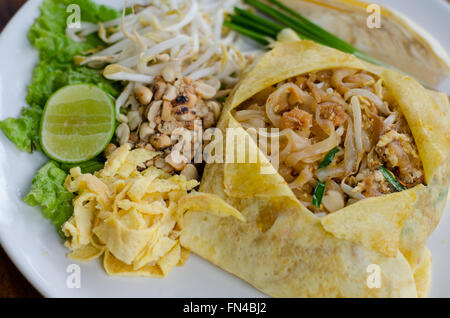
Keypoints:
(361, 182)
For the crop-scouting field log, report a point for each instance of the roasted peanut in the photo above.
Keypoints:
(123, 133)
(163, 165)
(145, 131)
(204, 90)
(141, 110)
(190, 172)
(160, 89)
(109, 150)
(214, 82)
(183, 113)
(122, 118)
(209, 121)
(143, 94)
(201, 110)
(166, 113)
(160, 141)
(178, 163)
(134, 138)
(154, 110)
(149, 147)
(169, 73)
(134, 119)
(215, 107)
(186, 99)
(167, 127)
(171, 93)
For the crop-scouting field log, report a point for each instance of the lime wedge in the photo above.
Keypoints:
(77, 124)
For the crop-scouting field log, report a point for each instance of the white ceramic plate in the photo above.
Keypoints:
(36, 249)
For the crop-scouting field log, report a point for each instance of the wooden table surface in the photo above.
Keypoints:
(12, 283)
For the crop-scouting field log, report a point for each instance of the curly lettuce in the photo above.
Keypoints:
(56, 68)
(47, 190)
(24, 131)
(48, 78)
(54, 71)
(48, 33)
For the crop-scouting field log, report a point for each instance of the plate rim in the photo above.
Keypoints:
(16, 257)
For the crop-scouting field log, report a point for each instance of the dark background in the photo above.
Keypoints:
(7, 10)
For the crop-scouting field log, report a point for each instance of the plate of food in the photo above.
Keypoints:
(237, 148)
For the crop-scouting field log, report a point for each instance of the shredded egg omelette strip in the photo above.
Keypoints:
(133, 218)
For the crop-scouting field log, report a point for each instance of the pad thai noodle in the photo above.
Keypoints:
(342, 137)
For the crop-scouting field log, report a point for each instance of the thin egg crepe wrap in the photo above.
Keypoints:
(283, 248)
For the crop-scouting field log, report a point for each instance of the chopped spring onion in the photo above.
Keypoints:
(329, 157)
(90, 166)
(290, 21)
(304, 28)
(316, 29)
(391, 179)
(318, 194)
(240, 20)
(249, 33)
(258, 19)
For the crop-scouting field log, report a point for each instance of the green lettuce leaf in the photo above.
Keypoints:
(47, 191)
(49, 76)
(24, 131)
(56, 68)
(48, 33)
